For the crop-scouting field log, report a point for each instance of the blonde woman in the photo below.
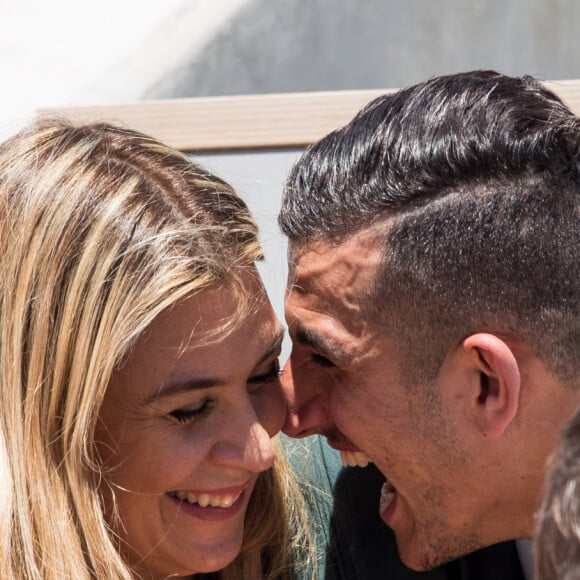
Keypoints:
(139, 370)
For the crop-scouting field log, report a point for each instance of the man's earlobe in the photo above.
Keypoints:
(497, 400)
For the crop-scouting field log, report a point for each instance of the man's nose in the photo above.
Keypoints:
(306, 399)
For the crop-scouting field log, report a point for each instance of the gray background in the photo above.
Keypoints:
(258, 177)
(310, 45)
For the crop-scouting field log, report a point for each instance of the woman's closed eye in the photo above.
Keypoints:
(190, 414)
(271, 375)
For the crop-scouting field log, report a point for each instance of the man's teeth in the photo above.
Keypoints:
(354, 458)
(205, 499)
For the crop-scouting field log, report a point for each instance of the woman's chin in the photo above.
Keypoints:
(170, 562)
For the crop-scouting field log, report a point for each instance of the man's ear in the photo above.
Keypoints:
(497, 397)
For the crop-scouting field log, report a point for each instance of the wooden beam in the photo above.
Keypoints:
(250, 121)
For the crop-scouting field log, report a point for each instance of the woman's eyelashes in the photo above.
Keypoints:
(272, 374)
(187, 415)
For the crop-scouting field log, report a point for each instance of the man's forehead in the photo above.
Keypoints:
(320, 266)
(333, 282)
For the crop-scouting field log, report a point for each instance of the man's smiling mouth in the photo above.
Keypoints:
(354, 458)
(349, 454)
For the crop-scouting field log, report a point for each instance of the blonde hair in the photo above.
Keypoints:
(101, 229)
(557, 545)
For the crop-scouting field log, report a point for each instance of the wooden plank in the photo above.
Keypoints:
(568, 91)
(237, 122)
(250, 121)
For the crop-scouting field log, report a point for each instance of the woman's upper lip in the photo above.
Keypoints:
(230, 490)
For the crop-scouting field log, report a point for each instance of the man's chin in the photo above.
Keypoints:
(414, 559)
(420, 562)
(421, 557)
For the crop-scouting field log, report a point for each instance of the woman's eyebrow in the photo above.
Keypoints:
(178, 387)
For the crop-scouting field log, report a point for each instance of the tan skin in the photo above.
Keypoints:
(467, 464)
(185, 415)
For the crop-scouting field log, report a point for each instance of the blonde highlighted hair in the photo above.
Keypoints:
(101, 229)
(557, 545)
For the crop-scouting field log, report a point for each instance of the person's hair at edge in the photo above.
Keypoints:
(470, 183)
(557, 545)
(101, 230)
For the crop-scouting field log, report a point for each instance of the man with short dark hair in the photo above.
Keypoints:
(434, 302)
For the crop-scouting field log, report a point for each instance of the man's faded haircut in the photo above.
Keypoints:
(471, 185)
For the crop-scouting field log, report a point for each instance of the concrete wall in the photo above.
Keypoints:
(309, 45)
(77, 52)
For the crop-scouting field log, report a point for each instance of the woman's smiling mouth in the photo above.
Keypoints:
(207, 499)
(211, 504)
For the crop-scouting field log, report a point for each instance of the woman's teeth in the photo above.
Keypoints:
(387, 495)
(354, 458)
(205, 499)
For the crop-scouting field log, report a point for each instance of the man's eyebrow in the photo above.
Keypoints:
(316, 341)
(178, 387)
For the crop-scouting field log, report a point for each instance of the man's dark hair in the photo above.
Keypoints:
(471, 184)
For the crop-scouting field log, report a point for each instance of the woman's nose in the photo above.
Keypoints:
(248, 447)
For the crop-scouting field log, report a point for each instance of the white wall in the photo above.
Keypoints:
(81, 52)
